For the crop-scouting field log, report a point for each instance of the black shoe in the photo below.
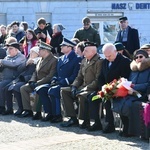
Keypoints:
(37, 116)
(95, 127)
(2, 109)
(49, 117)
(57, 119)
(85, 125)
(109, 129)
(70, 122)
(7, 112)
(26, 113)
(18, 112)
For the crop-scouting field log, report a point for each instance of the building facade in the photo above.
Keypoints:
(104, 15)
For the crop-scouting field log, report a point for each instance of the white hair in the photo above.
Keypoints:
(108, 47)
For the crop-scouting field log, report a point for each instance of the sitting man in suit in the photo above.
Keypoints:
(84, 84)
(114, 66)
(45, 70)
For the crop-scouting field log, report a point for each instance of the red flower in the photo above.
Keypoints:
(116, 88)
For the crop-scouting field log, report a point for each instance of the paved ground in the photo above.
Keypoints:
(25, 134)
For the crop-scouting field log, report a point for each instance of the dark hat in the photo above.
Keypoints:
(87, 43)
(119, 46)
(43, 45)
(140, 51)
(123, 19)
(15, 23)
(67, 42)
(86, 20)
(14, 44)
(145, 46)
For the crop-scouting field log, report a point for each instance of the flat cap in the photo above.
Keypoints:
(123, 19)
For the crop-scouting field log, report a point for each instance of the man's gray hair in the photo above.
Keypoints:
(108, 46)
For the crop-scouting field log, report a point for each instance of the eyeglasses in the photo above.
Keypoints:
(139, 57)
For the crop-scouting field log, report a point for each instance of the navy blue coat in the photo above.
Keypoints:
(68, 70)
(140, 79)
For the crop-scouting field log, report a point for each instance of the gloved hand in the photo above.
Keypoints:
(22, 79)
(33, 85)
(73, 91)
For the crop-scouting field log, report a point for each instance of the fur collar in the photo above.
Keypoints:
(140, 66)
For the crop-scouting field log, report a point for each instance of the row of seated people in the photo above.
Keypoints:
(69, 79)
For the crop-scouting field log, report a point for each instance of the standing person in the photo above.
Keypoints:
(67, 70)
(57, 39)
(128, 36)
(114, 66)
(84, 84)
(16, 31)
(10, 69)
(45, 70)
(87, 33)
(43, 29)
(29, 41)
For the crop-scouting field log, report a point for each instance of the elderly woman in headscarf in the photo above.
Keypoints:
(10, 69)
(57, 39)
(140, 77)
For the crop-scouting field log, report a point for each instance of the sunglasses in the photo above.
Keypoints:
(139, 57)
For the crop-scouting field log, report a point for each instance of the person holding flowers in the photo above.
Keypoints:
(114, 66)
(140, 77)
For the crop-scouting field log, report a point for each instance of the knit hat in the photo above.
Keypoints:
(60, 27)
(35, 49)
(14, 44)
(140, 51)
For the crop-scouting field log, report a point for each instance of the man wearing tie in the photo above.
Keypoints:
(127, 36)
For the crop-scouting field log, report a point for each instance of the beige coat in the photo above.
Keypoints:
(45, 70)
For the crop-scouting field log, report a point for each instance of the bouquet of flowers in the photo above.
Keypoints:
(116, 88)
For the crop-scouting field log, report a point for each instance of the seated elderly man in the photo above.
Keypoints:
(10, 69)
(45, 70)
(84, 84)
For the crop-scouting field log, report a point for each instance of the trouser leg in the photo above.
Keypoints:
(109, 113)
(17, 95)
(68, 101)
(45, 100)
(125, 121)
(25, 94)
